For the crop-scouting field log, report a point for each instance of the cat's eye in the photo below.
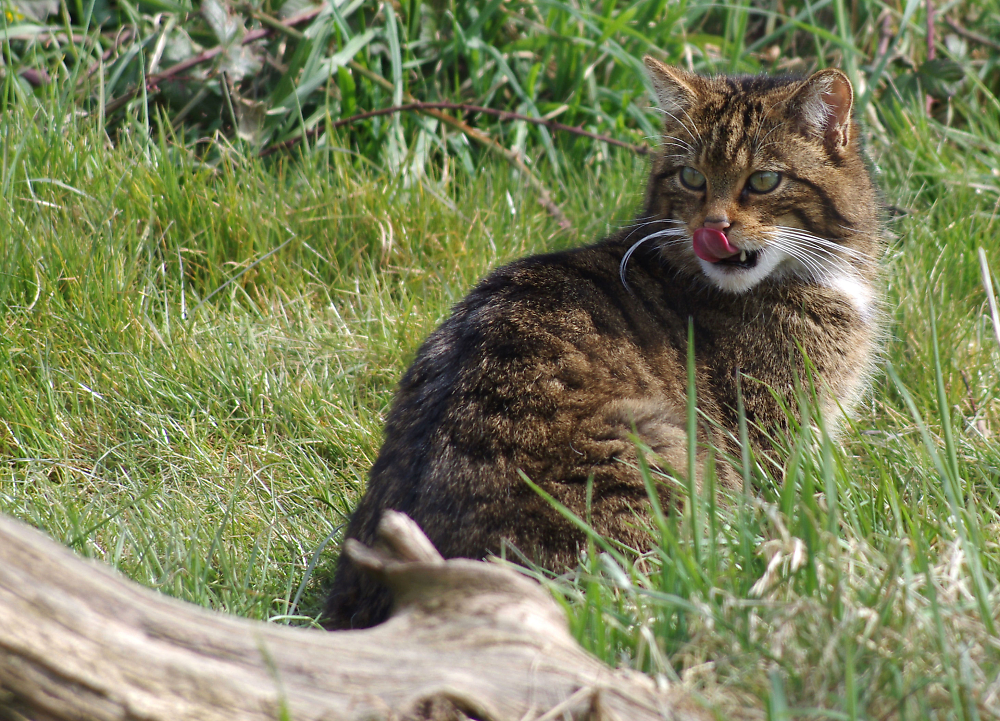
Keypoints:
(692, 179)
(764, 181)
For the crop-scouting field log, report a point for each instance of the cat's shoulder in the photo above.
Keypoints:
(544, 285)
(521, 308)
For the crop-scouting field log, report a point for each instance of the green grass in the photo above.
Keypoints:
(579, 62)
(208, 449)
(198, 346)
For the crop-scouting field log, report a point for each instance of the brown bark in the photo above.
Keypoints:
(468, 640)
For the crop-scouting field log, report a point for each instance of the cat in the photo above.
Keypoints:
(761, 225)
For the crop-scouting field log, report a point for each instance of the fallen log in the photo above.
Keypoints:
(468, 640)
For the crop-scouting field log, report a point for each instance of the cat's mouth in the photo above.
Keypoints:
(745, 259)
(714, 247)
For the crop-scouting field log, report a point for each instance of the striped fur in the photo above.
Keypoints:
(552, 362)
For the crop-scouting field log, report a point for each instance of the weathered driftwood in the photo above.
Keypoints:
(468, 640)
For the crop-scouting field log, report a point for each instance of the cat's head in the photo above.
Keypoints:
(761, 179)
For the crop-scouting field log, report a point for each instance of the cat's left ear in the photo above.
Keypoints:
(824, 103)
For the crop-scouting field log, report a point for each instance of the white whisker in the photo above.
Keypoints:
(645, 223)
(816, 268)
(695, 136)
(812, 264)
(823, 263)
(828, 268)
(828, 245)
(665, 233)
(674, 140)
(693, 123)
(762, 145)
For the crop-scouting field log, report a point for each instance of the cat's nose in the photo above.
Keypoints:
(717, 223)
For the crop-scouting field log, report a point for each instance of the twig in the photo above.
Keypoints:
(37, 77)
(122, 38)
(974, 37)
(968, 392)
(544, 198)
(465, 108)
(271, 22)
(44, 37)
(153, 80)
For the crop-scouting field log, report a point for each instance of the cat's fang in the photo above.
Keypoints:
(746, 260)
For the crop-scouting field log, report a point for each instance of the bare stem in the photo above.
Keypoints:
(503, 115)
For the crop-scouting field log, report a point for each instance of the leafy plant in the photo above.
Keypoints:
(273, 75)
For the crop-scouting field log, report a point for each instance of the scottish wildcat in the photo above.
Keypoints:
(761, 225)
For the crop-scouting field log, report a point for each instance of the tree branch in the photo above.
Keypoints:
(544, 198)
(502, 115)
(467, 639)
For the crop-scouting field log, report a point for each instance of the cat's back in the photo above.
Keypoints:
(508, 385)
(535, 345)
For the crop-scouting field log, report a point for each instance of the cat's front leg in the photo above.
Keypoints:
(606, 446)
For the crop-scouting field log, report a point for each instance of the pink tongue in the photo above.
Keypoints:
(712, 245)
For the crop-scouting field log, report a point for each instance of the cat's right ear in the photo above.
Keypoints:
(674, 87)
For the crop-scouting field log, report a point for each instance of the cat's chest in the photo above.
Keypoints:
(775, 338)
(857, 293)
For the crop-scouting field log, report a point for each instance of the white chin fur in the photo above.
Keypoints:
(772, 262)
(736, 280)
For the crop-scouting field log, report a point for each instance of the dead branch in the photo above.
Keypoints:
(969, 35)
(544, 197)
(287, 27)
(502, 115)
(204, 57)
(467, 640)
(122, 37)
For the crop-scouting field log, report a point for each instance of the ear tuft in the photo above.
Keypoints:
(823, 105)
(674, 87)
